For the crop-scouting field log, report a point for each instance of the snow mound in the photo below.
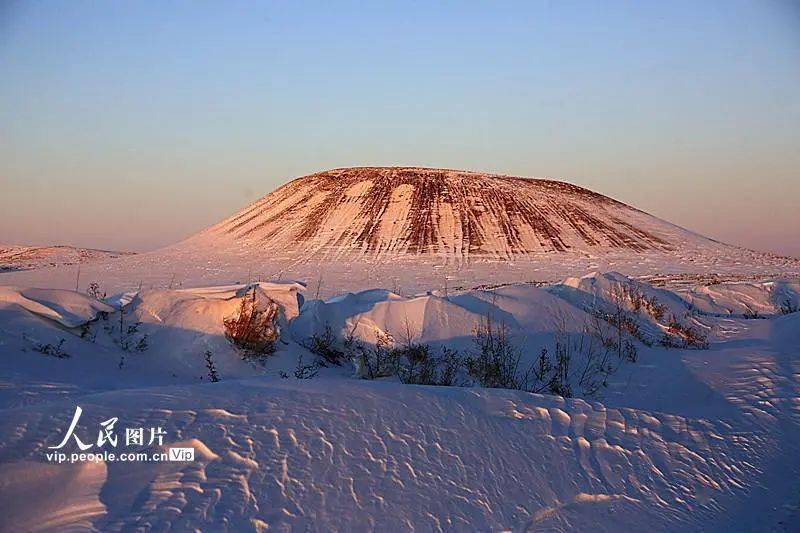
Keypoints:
(745, 298)
(118, 301)
(786, 331)
(431, 319)
(369, 314)
(202, 309)
(533, 316)
(522, 306)
(650, 312)
(287, 294)
(68, 308)
(159, 336)
(599, 289)
(181, 325)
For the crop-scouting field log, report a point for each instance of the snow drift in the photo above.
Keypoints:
(694, 440)
(68, 308)
(746, 298)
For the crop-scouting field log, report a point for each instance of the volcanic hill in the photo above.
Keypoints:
(377, 213)
(420, 229)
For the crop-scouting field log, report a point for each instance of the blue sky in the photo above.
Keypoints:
(133, 124)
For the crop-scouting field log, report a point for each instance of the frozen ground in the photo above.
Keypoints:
(691, 440)
(189, 267)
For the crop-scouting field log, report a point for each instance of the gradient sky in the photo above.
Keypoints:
(130, 125)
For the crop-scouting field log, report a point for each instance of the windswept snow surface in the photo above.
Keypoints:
(690, 440)
(353, 455)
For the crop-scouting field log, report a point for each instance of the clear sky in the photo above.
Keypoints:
(131, 125)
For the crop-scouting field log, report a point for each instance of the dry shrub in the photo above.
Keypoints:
(374, 361)
(212, 368)
(54, 350)
(752, 314)
(254, 327)
(325, 345)
(639, 302)
(414, 363)
(419, 365)
(305, 371)
(495, 361)
(787, 307)
(682, 336)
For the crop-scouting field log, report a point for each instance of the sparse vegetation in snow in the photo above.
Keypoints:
(254, 327)
(325, 345)
(53, 350)
(787, 307)
(213, 376)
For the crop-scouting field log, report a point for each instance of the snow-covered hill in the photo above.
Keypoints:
(15, 257)
(381, 213)
(417, 229)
